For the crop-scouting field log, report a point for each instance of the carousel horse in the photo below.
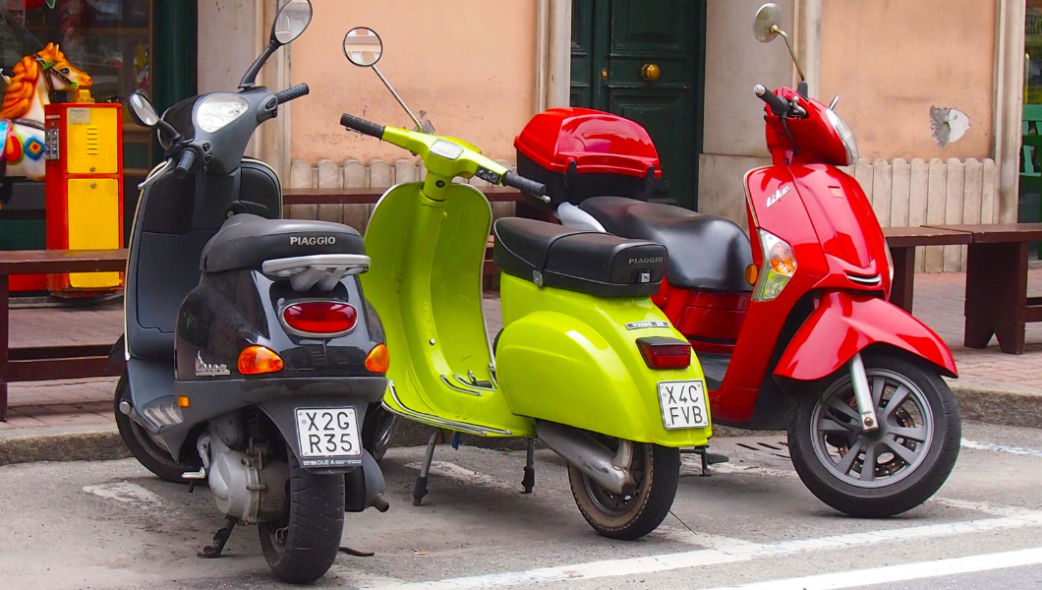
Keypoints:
(29, 85)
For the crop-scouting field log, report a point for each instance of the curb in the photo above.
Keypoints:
(1004, 407)
(989, 405)
(61, 443)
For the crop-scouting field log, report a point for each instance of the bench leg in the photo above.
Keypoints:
(4, 332)
(904, 277)
(996, 294)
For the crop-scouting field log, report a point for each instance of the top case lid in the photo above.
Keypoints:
(598, 143)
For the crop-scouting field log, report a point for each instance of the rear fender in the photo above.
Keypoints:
(282, 412)
(844, 324)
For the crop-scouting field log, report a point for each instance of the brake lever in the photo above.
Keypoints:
(152, 178)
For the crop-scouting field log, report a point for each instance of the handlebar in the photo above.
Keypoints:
(779, 106)
(184, 166)
(362, 126)
(537, 189)
(292, 93)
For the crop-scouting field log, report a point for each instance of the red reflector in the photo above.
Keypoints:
(320, 317)
(665, 353)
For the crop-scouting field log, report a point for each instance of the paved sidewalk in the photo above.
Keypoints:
(938, 302)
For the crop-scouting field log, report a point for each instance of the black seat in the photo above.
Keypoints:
(589, 262)
(246, 241)
(706, 252)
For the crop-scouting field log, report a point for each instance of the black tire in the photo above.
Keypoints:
(154, 457)
(904, 484)
(378, 430)
(657, 471)
(302, 547)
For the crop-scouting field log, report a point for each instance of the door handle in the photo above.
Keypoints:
(650, 72)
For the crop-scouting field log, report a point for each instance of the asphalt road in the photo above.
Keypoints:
(751, 524)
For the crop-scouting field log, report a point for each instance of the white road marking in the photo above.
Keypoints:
(903, 573)
(707, 557)
(125, 492)
(972, 444)
(451, 470)
(707, 540)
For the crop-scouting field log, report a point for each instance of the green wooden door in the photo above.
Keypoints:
(614, 42)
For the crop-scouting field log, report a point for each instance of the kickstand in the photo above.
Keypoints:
(357, 552)
(219, 539)
(420, 490)
(528, 483)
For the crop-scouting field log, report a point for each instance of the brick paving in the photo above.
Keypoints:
(939, 300)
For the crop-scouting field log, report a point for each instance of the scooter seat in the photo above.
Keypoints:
(706, 252)
(599, 264)
(246, 241)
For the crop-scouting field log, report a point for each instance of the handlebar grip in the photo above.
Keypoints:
(779, 106)
(184, 166)
(537, 189)
(362, 126)
(292, 93)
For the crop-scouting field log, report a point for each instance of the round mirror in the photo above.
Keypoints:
(290, 22)
(767, 23)
(363, 47)
(142, 109)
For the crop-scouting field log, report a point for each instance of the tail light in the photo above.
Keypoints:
(665, 353)
(257, 360)
(379, 360)
(320, 318)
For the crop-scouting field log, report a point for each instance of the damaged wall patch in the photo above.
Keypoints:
(948, 125)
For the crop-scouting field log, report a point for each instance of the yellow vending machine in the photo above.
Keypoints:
(84, 153)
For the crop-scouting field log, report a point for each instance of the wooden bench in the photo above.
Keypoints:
(996, 277)
(44, 363)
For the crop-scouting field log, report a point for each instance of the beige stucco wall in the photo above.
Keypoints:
(733, 134)
(891, 60)
(469, 65)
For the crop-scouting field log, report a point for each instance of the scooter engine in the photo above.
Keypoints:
(244, 485)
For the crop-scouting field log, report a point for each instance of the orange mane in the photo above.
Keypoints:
(19, 94)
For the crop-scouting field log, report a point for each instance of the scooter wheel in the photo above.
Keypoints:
(154, 457)
(303, 545)
(891, 470)
(655, 469)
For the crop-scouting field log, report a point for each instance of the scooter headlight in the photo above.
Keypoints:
(845, 135)
(216, 111)
(779, 265)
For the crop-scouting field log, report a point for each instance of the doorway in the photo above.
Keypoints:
(645, 60)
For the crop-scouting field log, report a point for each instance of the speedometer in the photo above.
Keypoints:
(216, 111)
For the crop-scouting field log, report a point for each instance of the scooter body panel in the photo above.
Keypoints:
(844, 324)
(425, 283)
(570, 358)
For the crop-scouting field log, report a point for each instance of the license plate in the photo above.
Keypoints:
(683, 404)
(328, 437)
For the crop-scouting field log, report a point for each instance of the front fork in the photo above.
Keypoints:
(866, 407)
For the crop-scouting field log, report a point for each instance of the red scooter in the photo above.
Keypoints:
(794, 329)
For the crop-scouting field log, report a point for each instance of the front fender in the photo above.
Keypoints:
(845, 323)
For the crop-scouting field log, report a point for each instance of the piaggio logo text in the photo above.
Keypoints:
(314, 241)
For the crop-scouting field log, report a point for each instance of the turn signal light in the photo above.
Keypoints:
(323, 318)
(379, 360)
(665, 353)
(257, 360)
(752, 273)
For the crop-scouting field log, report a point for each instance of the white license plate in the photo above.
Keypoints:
(683, 404)
(329, 434)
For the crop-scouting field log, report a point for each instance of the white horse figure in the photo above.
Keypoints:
(22, 115)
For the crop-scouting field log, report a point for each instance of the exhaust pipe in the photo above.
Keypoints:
(610, 469)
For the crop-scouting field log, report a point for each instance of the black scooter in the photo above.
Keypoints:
(251, 353)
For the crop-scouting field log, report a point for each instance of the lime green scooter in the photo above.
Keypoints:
(585, 362)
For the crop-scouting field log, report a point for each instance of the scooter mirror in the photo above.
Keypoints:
(291, 21)
(363, 47)
(142, 109)
(767, 24)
